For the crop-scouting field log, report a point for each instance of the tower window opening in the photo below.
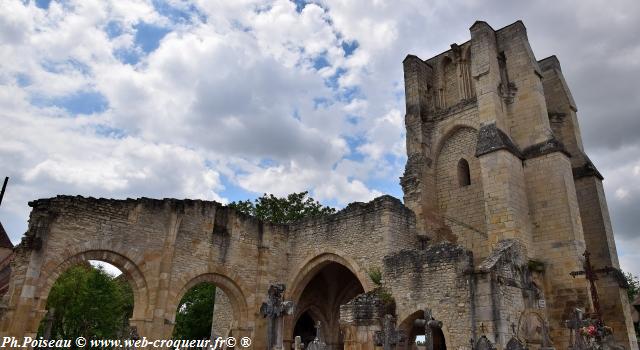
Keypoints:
(464, 175)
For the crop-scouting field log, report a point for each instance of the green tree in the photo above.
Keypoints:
(283, 210)
(88, 302)
(633, 291)
(195, 313)
(634, 286)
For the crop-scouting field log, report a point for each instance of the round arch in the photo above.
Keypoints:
(312, 265)
(229, 282)
(129, 268)
(447, 132)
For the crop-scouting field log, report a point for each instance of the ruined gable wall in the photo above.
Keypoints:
(362, 234)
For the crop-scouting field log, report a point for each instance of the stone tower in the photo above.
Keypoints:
(494, 153)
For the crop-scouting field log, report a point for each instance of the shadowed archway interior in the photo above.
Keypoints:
(332, 286)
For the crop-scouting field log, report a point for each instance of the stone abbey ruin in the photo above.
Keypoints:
(487, 251)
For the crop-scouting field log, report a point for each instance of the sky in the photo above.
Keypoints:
(226, 100)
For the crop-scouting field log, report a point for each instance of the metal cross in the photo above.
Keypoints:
(591, 275)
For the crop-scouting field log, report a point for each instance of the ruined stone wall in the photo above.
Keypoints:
(361, 234)
(434, 279)
(163, 247)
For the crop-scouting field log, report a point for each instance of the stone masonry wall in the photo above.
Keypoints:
(462, 206)
(436, 278)
(222, 321)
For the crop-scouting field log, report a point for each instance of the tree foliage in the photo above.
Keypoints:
(283, 210)
(86, 301)
(195, 313)
(634, 286)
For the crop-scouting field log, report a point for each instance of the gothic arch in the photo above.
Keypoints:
(315, 263)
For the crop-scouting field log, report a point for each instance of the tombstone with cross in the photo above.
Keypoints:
(275, 308)
(317, 343)
(389, 337)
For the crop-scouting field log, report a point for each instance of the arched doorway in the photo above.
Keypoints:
(227, 306)
(90, 299)
(329, 286)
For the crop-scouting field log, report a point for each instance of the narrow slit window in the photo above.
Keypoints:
(464, 175)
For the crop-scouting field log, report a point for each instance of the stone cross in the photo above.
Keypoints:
(317, 344)
(591, 275)
(427, 323)
(275, 308)
(388, 337)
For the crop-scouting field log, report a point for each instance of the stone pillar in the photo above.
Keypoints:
(596, 224)
(598, 236)
(222, 315)
(24, 309)
(523, 93)
(416, 186)
(506, 208)
(485, 71)
(557, 236)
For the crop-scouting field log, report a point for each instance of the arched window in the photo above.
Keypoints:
(464, 175)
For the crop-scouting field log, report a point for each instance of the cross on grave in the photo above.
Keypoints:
(389, 336)
(427, 323)
(317, 344)
(591, 275)
(275, 308)
(574, 324)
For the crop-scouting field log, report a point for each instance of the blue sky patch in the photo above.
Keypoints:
(127, 56)
(320, 62)
(233, 192)
(23, 80)
(179, 15)
(113, 29)
(349, 47)
(110, 132)
(82, 102)
(148, 36)
(43, 4)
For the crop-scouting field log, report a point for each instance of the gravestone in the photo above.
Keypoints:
(484, 344)
(317, 343)
(515, 344)
(275, 308)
